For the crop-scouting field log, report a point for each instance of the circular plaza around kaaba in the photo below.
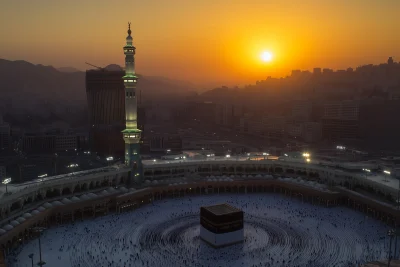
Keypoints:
(278, 231)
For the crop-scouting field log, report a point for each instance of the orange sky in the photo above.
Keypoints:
(203, 41)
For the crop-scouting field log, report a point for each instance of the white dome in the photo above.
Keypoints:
(47, 205)
(66, 201)
(34, 212)
(14, 223)
(21, 219)
(2, 231)
(75, 199)
(41, 208)
(113, 67)
(84, 197)
(8, 227)
(111, 190)
(27, 215)
(92, 195)
(57, 203)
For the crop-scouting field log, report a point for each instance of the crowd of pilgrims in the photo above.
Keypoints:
(278, 232)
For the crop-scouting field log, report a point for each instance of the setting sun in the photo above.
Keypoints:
(266, 56)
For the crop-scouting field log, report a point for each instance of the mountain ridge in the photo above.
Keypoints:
(27, 87)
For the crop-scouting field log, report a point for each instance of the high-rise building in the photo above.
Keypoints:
(106, 105)
(131, 133)
(341, 120)
(5, 134)
(301, 110)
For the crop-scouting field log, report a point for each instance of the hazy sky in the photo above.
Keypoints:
(202, 40)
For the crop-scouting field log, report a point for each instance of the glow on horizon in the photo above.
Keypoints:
(202, 41)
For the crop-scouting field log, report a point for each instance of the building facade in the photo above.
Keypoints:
(106, 108)
(341, 120)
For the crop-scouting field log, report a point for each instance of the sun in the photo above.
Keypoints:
(266, 56)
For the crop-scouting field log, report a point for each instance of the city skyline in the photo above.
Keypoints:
(218, 41)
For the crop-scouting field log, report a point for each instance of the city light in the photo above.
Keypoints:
(387, 172)
(306, 155)
(109, 158)
(42, 176)
(341, 147)
(308, 160)
(72, 165)
(265, 154)
(154, 160)
(6, 181)
(367, 170)
(228, 156)
(286, 155)
(168, 150)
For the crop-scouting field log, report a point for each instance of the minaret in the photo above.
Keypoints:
(131, 132)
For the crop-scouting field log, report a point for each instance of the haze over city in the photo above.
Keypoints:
(199, 133)
(205, 42)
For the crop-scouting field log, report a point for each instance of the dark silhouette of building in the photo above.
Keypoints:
(106, 107)
(341, 120)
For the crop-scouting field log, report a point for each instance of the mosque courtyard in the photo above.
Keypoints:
(278, 231)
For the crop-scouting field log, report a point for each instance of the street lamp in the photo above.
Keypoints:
(6, 181)
(109, 159)
(366, 172)
(31, 257)
(391, 233)
(39, 230)
(387, 173)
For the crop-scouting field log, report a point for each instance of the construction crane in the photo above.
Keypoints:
(100, 68)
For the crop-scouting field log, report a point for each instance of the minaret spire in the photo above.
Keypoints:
(131, 133)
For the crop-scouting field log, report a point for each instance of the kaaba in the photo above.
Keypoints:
(221, 225)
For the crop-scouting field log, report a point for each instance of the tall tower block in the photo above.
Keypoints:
(131, 133)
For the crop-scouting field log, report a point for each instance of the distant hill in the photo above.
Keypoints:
(25, 87)
(68, 69)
